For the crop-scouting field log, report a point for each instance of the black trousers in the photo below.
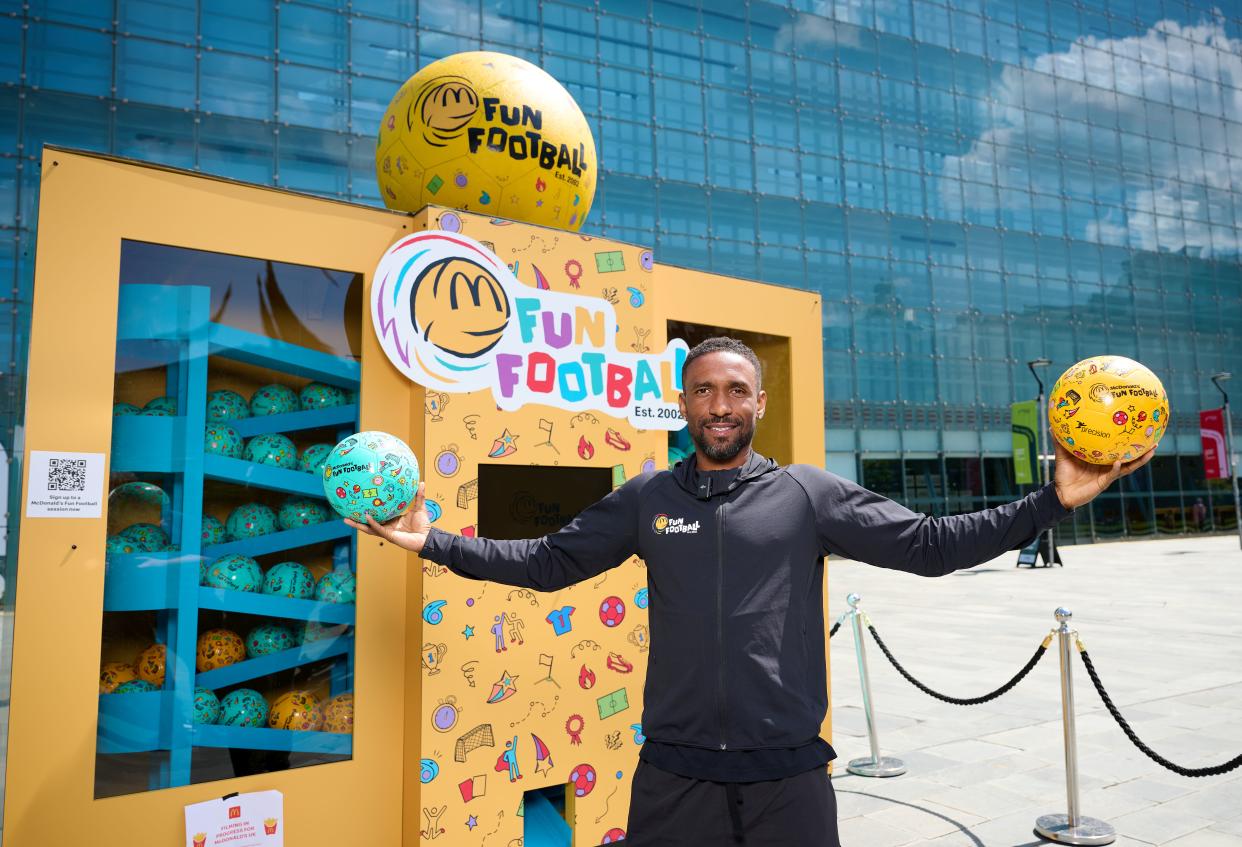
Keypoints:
(668, 810)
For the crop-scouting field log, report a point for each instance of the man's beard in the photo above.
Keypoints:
(742, 437)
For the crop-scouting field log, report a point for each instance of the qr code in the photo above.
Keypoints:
(66, 475)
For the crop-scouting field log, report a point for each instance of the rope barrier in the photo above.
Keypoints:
(963, 701)
(1215, 770)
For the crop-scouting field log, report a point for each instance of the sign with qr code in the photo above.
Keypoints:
(64, 485)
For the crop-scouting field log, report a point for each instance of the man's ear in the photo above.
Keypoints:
(681, 403)
(762, 403)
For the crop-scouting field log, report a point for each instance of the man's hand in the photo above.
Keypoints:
(1078, 482)
(408, 530)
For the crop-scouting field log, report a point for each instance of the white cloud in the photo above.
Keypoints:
(1159, 214)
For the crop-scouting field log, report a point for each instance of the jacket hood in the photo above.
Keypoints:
(686, 472)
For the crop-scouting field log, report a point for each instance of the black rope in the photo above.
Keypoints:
(1215, 770)
(961, 701)
(834, 629)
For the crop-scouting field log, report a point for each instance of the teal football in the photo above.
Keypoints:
(315, 631)
(318, 395)
(147, 493)
(223, 440)
(157, 413)
(273, 399)
(268, 638)
(313, 458)
(272, 448)
(165, 403)
(134, 686)
(337, 587)
(125, 409)
(299, 511)
(250, 520)
(370, 473)
(235, 572)
(149, 537)
(225, 405)
(213, 531)
(243, 707)
(206, 705)
(289, 579)
(120, 544)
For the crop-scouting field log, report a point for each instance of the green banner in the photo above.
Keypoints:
(1024, 420)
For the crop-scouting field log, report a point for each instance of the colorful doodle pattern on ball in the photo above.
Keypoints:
(337, 587)
(218, 648)
(296, 710)
(151, 663)
(225, 405)
(147, 536)
(222, 440)
(268, 638)
(213, 531)
(273, 399)
(250, 520)
(313, 458)
(272, 448)
(1108, 408)
(338, 714)
(289, 579)
(235, 572)
(243, 707)
(113, 674)
(370, 473)
(206, 706)
(318, 395)
(299, 511)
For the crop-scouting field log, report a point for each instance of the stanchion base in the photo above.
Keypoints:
(1088, 831)
(887, 766)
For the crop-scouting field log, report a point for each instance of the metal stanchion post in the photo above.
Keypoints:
(1071, 828)
(875, 765)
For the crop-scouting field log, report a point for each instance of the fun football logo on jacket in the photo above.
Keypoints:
(664, 525)
(451, 316)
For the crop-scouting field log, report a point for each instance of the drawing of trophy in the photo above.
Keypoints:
(435, 403)
(433, 656)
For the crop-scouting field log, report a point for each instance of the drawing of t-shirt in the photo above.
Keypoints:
(559, 619)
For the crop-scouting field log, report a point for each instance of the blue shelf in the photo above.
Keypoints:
(144, 443)
(261, 476)
(169, 327)
(254, 349)
(140, 581)
(248, 603)
(249, 669)
(132, 723)
(288, 539)
(256, 738)
(294, 421)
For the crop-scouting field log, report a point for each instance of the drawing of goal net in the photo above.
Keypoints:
(480, 736)
(466, 492)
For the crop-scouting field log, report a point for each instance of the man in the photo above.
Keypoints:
(734, 546)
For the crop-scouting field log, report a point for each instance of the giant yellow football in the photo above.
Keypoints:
(488, 133)
(1107, 408)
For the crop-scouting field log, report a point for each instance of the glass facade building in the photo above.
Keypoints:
(971, 185)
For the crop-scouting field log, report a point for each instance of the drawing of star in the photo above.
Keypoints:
(543, 765)
(472, 822)
(468, 632)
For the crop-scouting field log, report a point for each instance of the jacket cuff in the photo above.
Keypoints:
(436, 547)
(1049, 507)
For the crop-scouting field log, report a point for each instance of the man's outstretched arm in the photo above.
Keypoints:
(860, 524)
(601, 537)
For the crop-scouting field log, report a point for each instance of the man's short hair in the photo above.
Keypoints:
(727, 345)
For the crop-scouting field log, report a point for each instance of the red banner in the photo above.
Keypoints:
(1212, 434)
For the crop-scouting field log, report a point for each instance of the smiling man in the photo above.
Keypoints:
(734, 545)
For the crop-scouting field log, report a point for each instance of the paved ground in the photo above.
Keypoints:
(1162, 623)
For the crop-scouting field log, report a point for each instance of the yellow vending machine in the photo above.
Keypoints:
(199, 634)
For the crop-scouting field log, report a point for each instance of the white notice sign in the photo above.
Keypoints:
(64, 485)
(255, 819)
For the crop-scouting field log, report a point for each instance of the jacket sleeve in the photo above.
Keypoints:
(601, 537)
(860, 524)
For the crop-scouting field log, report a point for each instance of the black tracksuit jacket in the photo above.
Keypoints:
(735, 583)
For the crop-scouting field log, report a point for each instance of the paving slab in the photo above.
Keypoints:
(1159, 621)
